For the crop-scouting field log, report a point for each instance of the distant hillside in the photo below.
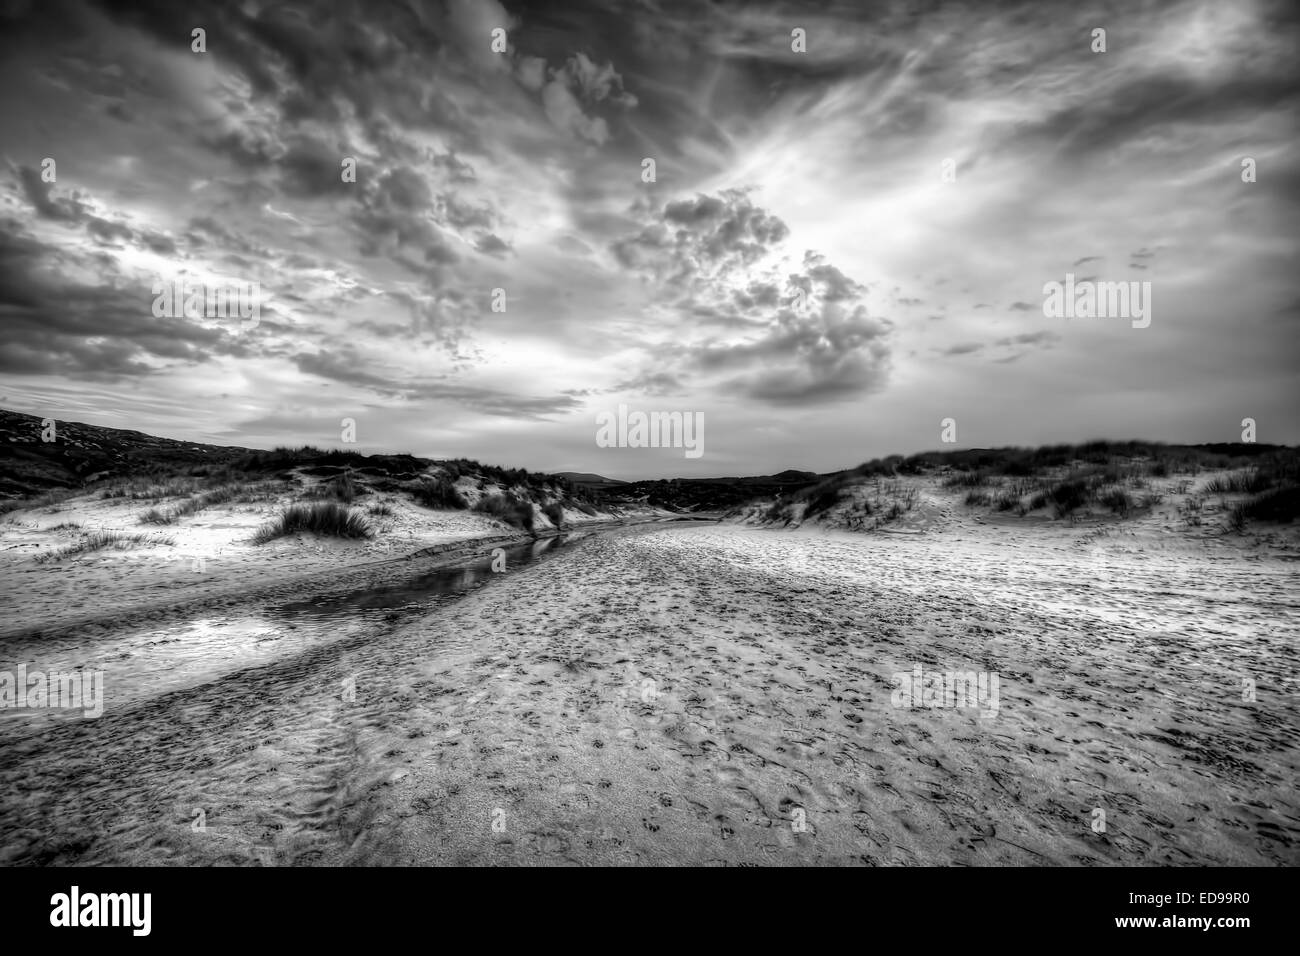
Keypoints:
(709, 494)
(81, 454)
(1055, 480)
(116, 462)
(1250, 482)
(587, 479)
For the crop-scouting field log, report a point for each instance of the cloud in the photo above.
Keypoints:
(396, 217)
(596, 83)
(709, 236)
(472, 23)
(530, 71)
(799, 335)
(96, 330)
(347, 366)
(492, 245)
(41, 195)
(314, 167)
(565, 112)
(522, 170)
(580, 81)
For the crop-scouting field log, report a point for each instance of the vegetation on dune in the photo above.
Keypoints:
(1072, 478)
(115, 464)
(329, 518)
(1252, 481)
(342, 488)
(1063, 481)
(1280, 504)
(967, 479)
(509, 508)
(195, 504)
(99, 541)
(1158, 458)
(439, 492)
(1117, 500)
(822, 497)
(555, 512)
(45, 500)
(881, 500)
(1068, 480)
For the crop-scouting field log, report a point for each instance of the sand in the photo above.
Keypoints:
(209, 558)
(723, 695)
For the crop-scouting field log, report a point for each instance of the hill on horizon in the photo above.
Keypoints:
(82, 454)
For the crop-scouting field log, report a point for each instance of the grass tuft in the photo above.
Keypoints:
(99, 541)
(508, 508)
(328, 518)
(440, 493)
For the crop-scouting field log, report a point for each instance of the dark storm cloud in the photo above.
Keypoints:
(1152, 106)
(159, 243)
(312, 166)
(396, 217)
(463, 214)
(492, 245)
(804, 360)
(75, 210)
(369, 56)
(41, 195)
(107, 232)
(58, 326)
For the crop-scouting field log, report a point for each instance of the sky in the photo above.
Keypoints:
(853, 213)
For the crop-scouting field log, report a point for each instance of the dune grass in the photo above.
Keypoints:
(1252, 481)
(1280, 504)
(342, 488)
(99, 541)
(509, 508)
(44, 500)
(439, 493)
(329, 518)
(194, 505)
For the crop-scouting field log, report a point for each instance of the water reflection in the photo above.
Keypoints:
(143, 663)
(422, 590)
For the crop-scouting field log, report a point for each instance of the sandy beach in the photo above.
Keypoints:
(701, 693)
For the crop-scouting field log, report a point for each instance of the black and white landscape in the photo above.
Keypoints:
(649, 433)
